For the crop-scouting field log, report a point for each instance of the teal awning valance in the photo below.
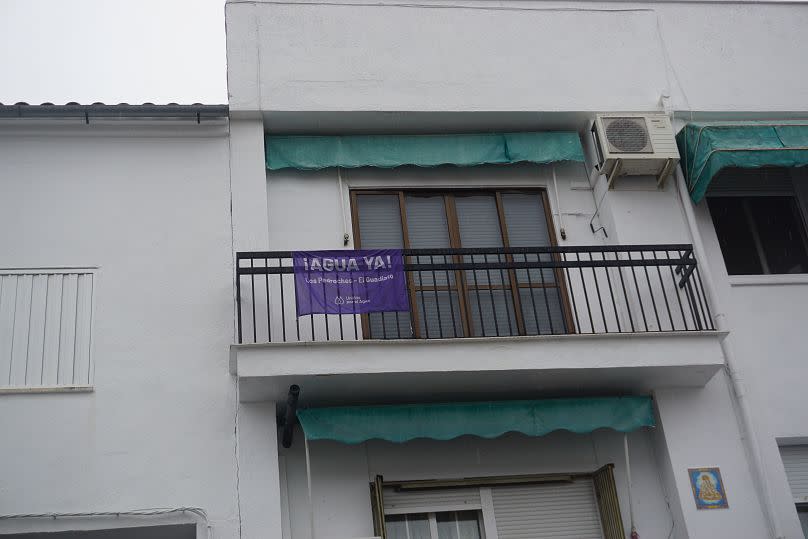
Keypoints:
(388, 151)
(401, 423)
(707, 148)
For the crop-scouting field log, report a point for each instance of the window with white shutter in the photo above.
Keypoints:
(46, 319)
(795, 461)
(547, 511)
(580, 506)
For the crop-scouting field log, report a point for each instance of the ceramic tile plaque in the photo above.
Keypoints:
(708, 488)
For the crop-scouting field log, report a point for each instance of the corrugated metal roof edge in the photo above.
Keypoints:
(121, 110)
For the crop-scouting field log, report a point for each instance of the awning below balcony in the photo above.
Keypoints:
(401, 423)
(388, 151)
(707, 148)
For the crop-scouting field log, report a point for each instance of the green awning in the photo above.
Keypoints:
(388, 151)
(706, 148)
(401, 423)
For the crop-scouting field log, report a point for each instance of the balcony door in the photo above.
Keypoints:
(478, 303)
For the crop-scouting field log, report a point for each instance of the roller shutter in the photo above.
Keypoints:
(795, 460)
(430, 500)
(551, 510)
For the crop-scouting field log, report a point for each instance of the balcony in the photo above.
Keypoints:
(632, 317)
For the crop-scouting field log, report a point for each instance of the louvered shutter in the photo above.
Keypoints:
(430, 500)
(379, 222)
(428, 228)
(608, 503)
(742, 181)
(527, 227)
(545, 511)
(478, 221)
(491, 310)
(380, 228)
(795, 461)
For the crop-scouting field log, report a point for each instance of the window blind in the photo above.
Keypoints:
(547, 511)
(430, 500)
(795, 461)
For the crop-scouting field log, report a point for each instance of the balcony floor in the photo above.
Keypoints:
(379, 371)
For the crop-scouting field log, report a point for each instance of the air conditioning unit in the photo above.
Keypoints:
(635, 145)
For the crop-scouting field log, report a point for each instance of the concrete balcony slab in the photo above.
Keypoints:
(367, 371)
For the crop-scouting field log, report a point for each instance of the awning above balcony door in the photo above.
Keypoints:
(707, 148)
(402, 423)
(389, 151)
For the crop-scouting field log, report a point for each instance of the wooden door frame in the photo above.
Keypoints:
(461, 283)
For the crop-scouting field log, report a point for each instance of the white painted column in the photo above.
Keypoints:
(699, 429)
(667, 477)
(248, 183)
(258, 474)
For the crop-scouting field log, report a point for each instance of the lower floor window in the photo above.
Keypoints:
(584, 506)
(795, 462)
(759, 221)
(802, 512)
(443, 525)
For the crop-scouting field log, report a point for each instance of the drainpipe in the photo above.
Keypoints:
(747, 426)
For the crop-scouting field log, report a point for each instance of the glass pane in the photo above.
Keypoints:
(458, 525)
(485, 277)
(478, 221)
(468, 525)
(525, 219)
(535, 275)
(415, 526)
(426, 222)
(802, 512)
(440, 313)
(380, 228)
(396, 526)
(781, 231)
(496, 309)
(379, 221)
(428, 229)
(732, 226)
(392, 325)
(544, 305)
(527, 227)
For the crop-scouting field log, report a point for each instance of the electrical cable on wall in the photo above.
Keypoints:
(634, 534)
(561, 229)
(346, 237)
(597, 209)
(308, 483)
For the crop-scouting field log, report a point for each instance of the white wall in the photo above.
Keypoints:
(767, 320)
(341, 473)
(151, 208)
(533, 56)
(698, 427)
(515, 56)
(312, 198)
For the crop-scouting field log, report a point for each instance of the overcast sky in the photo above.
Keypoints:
(112, 51)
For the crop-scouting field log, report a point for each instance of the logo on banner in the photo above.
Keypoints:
(350, 282)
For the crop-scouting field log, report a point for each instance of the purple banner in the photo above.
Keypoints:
(350, 282)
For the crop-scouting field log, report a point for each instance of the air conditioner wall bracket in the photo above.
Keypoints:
(614, 173)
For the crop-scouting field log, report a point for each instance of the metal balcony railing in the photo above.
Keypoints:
(496, 292)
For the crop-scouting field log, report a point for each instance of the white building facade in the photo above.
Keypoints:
(160, 381)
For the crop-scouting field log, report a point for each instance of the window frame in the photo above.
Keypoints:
(461, 285)
(432, 519)
(86, 323)
(800, 203)
(601, 480)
